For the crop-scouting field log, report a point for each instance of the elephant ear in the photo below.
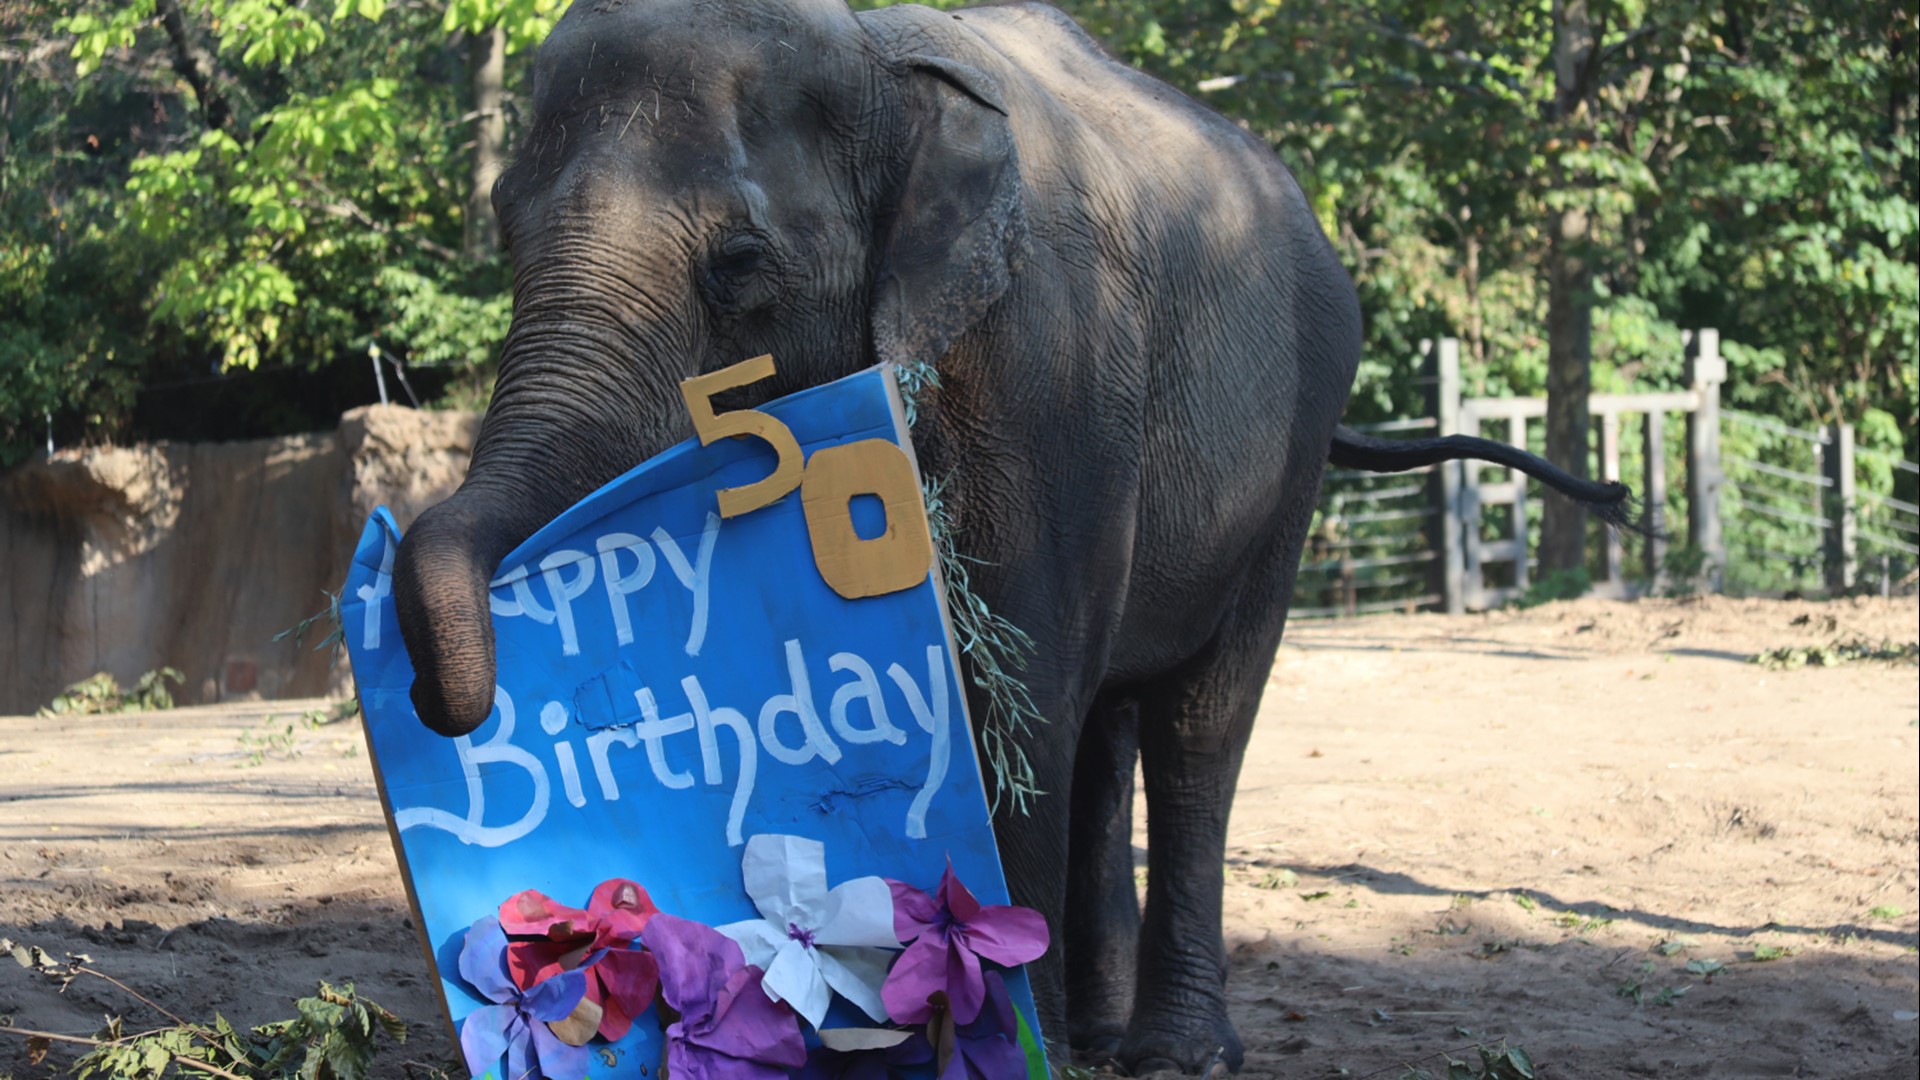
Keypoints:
(956, 228)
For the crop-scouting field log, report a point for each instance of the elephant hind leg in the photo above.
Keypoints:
(1103, 906)
(1194, 726)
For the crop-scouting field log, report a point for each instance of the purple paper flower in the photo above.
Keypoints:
(516, 1024)
(947, 936)
(865, 1054)
(989, 1047)
(728, 1028)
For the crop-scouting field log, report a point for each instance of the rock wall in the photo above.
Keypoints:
(194, 555)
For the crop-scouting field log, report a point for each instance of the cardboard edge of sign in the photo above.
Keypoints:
(417, 917)
(573, 519)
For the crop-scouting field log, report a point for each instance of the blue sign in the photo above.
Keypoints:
(672, 684)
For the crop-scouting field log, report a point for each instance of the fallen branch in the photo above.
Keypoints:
(82, 1040)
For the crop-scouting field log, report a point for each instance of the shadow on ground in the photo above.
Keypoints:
(1302, 1010)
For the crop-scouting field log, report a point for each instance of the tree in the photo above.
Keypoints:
(251, 183)
(1563, 529)
(196, 189)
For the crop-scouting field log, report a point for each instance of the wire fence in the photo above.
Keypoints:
(1810, 512)
(1788, 511)
(1371, 547)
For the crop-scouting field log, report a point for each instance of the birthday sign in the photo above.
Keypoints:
(728, 736)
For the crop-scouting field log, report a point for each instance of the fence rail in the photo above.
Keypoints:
(1766, 505)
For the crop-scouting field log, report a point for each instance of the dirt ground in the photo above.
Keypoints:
(1450, 830)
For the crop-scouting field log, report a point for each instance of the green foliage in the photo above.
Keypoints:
(1496, 1063)
(999, 652)
(442, 324)
(1750, 166)
(102, 693)
(1684, 567)
(1556, 585)
(333, 1036)
(527, 22)
(287, 189)
(1500, 1062)
(1837, 652)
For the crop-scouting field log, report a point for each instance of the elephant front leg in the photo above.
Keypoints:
(1103, 924)
(1033, 852)
(1193, 735)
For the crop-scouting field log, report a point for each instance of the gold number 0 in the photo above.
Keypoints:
(898, 558)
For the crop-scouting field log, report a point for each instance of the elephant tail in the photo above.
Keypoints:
(1611, 501)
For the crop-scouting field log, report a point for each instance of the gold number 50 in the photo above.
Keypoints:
(898, 558)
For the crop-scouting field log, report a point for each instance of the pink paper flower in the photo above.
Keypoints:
(946, 936)
(621, 978)
(728, 1028)
(516, 1024)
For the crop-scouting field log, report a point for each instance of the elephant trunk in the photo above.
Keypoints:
(562, 423)
(440, 592)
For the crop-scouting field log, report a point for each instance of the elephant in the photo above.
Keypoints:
(1141, 343)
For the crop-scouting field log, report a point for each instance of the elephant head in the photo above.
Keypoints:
(702, 182)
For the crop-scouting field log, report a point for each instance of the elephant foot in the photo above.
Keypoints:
(1098, 1042)
(1206, 1049)
(1097, 1018)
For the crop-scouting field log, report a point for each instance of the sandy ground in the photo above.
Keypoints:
(1449, 831)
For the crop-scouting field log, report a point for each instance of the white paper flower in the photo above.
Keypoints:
(811, 940)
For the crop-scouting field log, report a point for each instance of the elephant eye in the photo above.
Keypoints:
(734, 278)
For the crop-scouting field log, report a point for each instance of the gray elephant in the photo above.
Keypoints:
(1143, 343)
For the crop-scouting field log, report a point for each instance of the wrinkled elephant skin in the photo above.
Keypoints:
(1143, 340)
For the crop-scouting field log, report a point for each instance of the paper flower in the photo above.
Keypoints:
(812, 940)
(989, 1047)
(621, 979)
(948, 934)
(516, 1024)
(865, 1054)
(728, 1028)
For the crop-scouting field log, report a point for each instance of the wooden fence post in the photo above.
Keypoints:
(1654, 491)
(1842, 545)
(1705, 372)
(1445, 355)
(1612, 559)
(1522, 561)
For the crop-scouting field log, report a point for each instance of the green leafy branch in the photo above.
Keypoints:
(999, 650)
(102, 693)
(1839, 651)
(333, 1036)
(1500, 1062)
(329, 615)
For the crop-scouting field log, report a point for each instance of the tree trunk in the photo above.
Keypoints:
(1563, 527)
(487, 60)
(1476, 322)
(195, 64)
(9, 74)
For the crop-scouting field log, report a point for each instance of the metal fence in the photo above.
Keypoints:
(1373, 538)
(1817, 512)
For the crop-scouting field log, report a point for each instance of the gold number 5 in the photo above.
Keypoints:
(699, 392)
(898, 558)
